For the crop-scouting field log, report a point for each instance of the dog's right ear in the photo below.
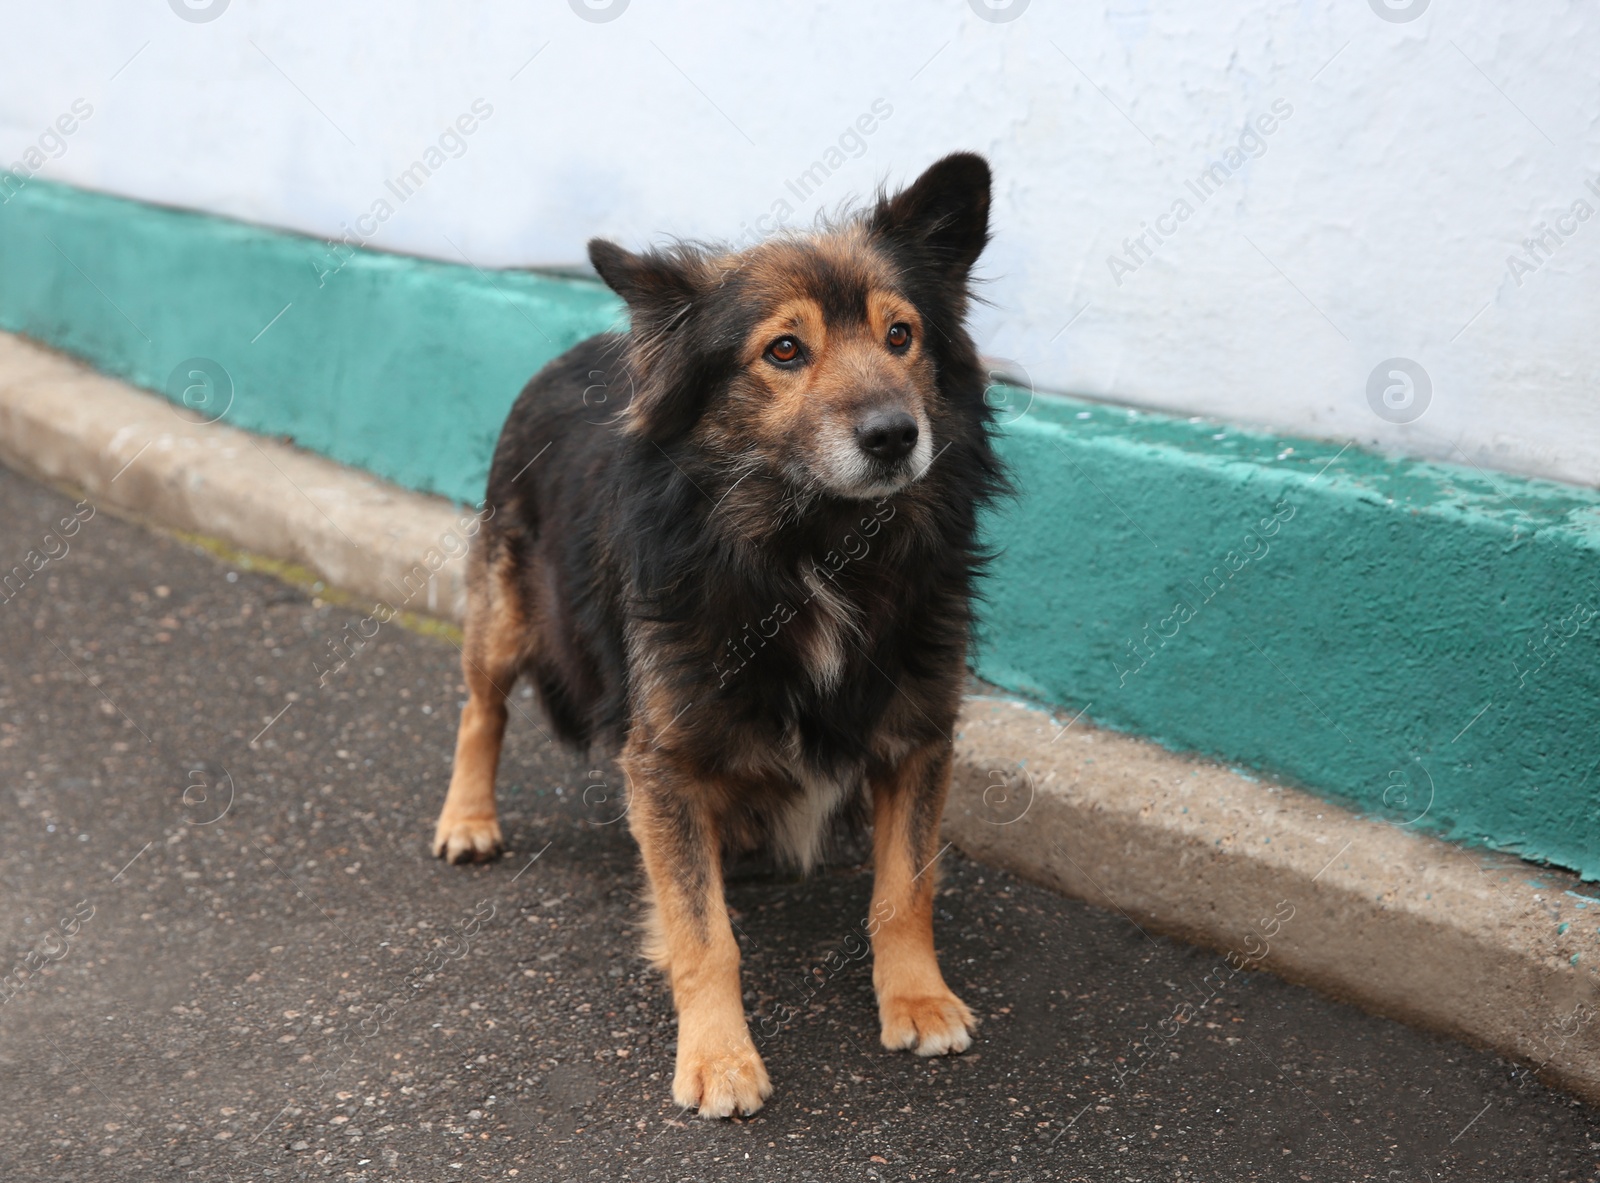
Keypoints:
(661, 289)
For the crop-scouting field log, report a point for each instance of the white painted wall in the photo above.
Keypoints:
(1375, 220)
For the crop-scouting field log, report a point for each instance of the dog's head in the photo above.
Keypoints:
(824, 361)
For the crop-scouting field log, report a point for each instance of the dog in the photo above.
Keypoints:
(740, 541)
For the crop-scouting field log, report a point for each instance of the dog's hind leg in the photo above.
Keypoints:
(495, 639)
(719, 1072)
(917, 1010)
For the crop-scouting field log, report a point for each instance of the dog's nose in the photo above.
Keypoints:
(887, 435)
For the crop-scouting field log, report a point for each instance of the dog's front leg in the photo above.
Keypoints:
(690, 938)
(915, 1006)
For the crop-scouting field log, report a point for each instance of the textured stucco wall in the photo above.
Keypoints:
(1422, 147)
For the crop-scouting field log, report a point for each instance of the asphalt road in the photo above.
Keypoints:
(251, 969)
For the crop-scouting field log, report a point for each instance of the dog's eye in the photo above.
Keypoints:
(899, 336)
(785, 351)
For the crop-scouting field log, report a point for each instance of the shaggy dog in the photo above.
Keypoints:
(740, 541)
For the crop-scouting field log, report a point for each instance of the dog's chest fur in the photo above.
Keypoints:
(800, 827)
(834, 623)
(804, 724)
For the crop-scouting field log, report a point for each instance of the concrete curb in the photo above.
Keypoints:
(1480, 946)
(142, 455)
(1475, 944)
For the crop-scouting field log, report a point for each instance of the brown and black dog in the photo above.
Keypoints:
(740, 541)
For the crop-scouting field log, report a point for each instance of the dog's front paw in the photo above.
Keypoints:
(929, 1024)
(467, 839)
(721, 1081)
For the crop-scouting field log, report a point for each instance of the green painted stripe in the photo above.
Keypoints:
(1414, 638)
(1408, 637)
(397, 365)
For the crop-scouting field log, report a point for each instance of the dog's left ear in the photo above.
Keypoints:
(943, 215)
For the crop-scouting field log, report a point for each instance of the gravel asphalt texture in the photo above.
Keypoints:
(246, 966)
